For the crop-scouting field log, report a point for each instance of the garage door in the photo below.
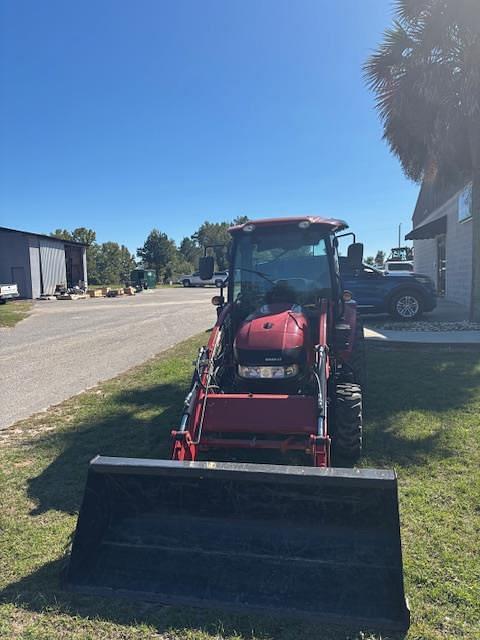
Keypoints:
(52, 258)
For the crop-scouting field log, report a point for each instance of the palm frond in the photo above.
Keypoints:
(426, 79)
(410, 11)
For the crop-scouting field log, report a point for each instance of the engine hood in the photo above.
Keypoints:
(276, 333)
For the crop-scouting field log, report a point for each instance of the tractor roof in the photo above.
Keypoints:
(331, 225)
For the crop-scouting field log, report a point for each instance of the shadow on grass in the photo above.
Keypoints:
(432, 384)
(412, 396)
(139, 427)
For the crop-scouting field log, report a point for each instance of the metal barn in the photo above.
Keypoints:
(38, 263)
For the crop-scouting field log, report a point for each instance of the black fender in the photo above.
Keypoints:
(350, 317)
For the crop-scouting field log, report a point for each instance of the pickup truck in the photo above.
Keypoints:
(218, 279)
(8, 291)
(405, 296)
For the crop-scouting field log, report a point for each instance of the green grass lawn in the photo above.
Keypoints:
(13, 311)
(422, 417)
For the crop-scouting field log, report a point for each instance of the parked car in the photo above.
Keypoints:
(398, 267)
(218, 279)
(404, 296)
(7, 292)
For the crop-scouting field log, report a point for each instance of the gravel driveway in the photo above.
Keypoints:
(64, 347)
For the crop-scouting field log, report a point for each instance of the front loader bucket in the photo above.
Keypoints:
(277, 539)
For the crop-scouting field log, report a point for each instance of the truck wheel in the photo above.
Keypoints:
(406, 305)
(186, 283)
(358, 361)
(347, 431)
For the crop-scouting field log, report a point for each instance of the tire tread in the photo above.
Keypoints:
(347, 434)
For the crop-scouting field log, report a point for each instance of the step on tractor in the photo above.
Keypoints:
(253, 512)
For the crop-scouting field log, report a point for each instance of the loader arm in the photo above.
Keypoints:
(187, 438)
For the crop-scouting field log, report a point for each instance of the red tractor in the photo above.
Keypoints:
(285, 362)
(281, 375)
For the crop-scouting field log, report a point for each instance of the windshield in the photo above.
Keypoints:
(289, 265)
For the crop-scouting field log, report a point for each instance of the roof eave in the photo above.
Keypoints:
(43, 235)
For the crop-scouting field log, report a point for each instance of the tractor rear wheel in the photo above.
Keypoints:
(347, 431)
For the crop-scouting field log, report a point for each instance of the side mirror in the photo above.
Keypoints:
(355, 255)
(206, 267)
(218, 301)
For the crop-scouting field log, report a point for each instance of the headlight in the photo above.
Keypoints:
(268, 372)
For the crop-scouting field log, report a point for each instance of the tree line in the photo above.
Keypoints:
(161, 253)
(378, 260)
(110, 262)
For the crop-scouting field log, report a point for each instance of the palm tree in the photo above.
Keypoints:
(426, 77)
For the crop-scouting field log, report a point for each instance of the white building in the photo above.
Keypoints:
(442, 239)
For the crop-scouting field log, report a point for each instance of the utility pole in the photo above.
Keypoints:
(399, 234)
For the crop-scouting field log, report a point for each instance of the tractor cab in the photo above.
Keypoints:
(284, 264)
(281, 274)
(287, 260)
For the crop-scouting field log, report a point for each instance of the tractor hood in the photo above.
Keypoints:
(274, 334)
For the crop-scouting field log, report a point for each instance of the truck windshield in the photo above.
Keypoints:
(288, 265)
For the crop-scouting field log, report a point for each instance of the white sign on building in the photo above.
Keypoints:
(465, 204)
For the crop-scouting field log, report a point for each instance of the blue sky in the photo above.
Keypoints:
(127, 115)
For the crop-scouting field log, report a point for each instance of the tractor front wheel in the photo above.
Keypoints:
(347, 431)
